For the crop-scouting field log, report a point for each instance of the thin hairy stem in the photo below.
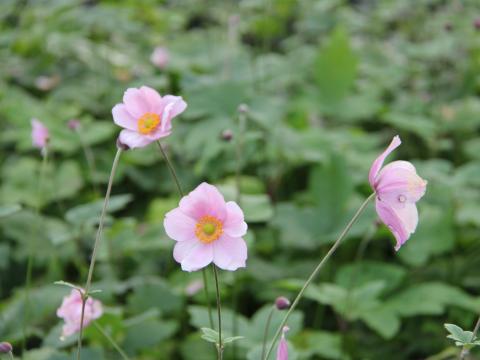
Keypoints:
(219, 313)
(315, 273)
(205, 287)
(113, 342)
(267, 327)
(465, 351)
(96, 245)
(28, 275)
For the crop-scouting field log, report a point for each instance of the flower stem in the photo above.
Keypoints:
(219, 312)
(87, 151)
(267, 327)
(316, 271)
(113, 342)
(180, 191)
(465, 351)
(28, 276)
(98, 238)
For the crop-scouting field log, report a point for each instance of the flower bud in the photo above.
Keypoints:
(5, 348)
(282, 303)
(227, 135)
(74, 124)
(476, 23)
(243, 108)
(121, 145)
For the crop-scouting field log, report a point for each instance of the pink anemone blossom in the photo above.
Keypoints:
(397, 187)
(282, 351)
(40, 134)
(207, 229)
(146, 116)
(160, 57)
(71, 312)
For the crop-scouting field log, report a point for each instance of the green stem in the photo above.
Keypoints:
(219, 312)
(87, 151)
(180, 191)
(465, 351)
(98, 239)
(28, 276)
(113, 342)
(267, 327)
(316, 271)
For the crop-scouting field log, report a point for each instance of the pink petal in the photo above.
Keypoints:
(135, 102)
(179, 226)
(176, 105)
(152, 98)
(122, 117)
(198, 257)
(401, 221)
(282, 351)
(234, 224)
(229, 253)
(377, 164)
(204, 200)
(183, 248)
(133, 139)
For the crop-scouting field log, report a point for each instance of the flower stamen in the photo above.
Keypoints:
(148, 123)
(208, 229)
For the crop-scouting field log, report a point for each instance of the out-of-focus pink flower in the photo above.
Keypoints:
(207, 229)
(282, 303)
(5, 347)
(160, 57)
(146, 116)
(71, 312)
(40, 135)
(282, 351)
(46, 83)
(194, 287)
(398, 188)
(74, 124)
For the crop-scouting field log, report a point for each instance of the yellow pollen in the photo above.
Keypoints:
(208, 229)
(148, 123)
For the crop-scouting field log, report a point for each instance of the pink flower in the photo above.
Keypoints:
(207, 229)
(146, 116)
(398, 188)
(74, 124)
(40, 135)
(71, 312)
(160, 57)
(282, 351)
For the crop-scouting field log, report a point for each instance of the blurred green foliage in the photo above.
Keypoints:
(327, 84)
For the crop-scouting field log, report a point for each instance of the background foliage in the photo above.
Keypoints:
(327, 84)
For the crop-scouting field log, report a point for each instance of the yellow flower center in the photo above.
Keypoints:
(148, 123)
(208, 229)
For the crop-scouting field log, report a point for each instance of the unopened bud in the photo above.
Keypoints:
(476, 23)
(121, 145)
(74, 124)
(282, 303)
(5, 348)
(243, 108)
(227, 135)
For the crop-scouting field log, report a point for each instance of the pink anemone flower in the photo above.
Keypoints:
(40, 134)
(160, 57)
(207, 229)
(282, 351)
(146, 116)
(397, 187)
(71, 312)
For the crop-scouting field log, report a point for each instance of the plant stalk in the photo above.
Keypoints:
(315, 273)
(267, 327)
(113, 342)
(219, 312)
(465, 351)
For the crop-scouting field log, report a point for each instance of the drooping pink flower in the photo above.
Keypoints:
(398, 188)
(207, 229)
(40, 134)
(282, 351)
(146, 116)
(71, 312)
(160, 57)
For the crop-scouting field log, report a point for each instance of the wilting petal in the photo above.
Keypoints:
(229, 253)
(179, 226)
(377, 164)
(198, 257)
(133, 139)
(402, 222)
(135, 102)
(398, 184)
(123, 118)
(204, 200)
(282, 351)
(234, 224)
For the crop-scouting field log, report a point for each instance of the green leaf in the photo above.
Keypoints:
(210, 335)
(8, 210)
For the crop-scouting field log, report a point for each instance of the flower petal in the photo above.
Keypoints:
(152, 98)
(133, 139)
(183, 248)
(204, 200)
(282, 351)
(234, 224)
(377, 164)
(229, 253)
(123, 118)
(198, 257)
(179, 226)
(135, 102)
